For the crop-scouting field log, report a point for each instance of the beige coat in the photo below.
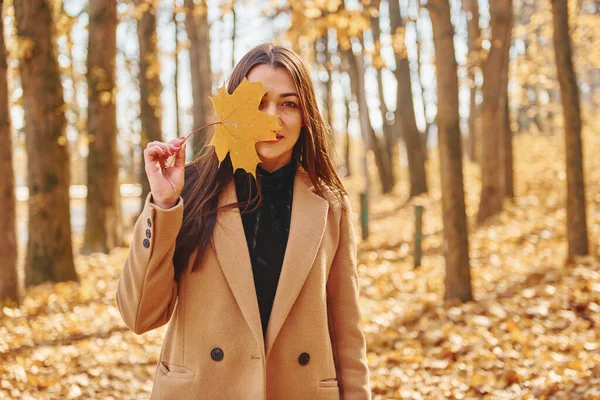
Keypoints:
(214, 346)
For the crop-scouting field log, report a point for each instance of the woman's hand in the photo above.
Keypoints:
(166, 182)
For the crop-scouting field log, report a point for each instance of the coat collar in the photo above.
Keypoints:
(307, 225)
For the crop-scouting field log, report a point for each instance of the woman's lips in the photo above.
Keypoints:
(279, 137)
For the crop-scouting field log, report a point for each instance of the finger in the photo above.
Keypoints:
(154, 143)
(155, 159)
(167, 151)
(167, 148)
(175, 147)
(180, 157)
(153, 152)
(162, 145)
(159, 145)
(176, 142)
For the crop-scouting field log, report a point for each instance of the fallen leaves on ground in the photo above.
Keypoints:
(532, 333)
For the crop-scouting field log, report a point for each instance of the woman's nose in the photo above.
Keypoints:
(270, 108)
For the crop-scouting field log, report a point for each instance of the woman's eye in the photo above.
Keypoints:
(289, 104)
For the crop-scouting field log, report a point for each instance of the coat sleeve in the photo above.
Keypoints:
(147, 289)
(347, 337)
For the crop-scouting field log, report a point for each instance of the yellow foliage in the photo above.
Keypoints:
(62, 140)
(398, 42)
(311, 21)
(531, 332)
(200, 9)
(378, 61)
(312, 13)
(24, 48)
(533, 319)
(226, 7)
(105, 97)
(140, 10)
(242, 125)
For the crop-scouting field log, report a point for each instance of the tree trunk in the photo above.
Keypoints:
(493, 109)
(233, 33)
(356, 71)
(347, 160)
(456, 238)
(387, 130)
(196, 24)
(329, 89)
(425, 136)
(473, 64)
(505, 149)
(103, 229)
(150, 86)
(576, 213)
(176, 77)
(9, 282)
(78, 167)
(363, 116)
(49, 249)
(528, 113)
(509, 180)
(405, 113)
(322, 57)
(474, 131)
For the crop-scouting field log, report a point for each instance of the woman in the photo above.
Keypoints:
(247, 322)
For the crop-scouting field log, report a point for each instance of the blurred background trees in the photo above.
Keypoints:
(103, 206)
(149, 79)
(569, 94)
(456, 238)
(88, 84)
(49, 247)
(9, 284)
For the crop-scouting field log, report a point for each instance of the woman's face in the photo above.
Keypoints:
(281, 99)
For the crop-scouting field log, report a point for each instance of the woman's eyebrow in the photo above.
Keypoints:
(289, 94)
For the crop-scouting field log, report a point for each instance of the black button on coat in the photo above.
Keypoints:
(217, 354)
(304, 358)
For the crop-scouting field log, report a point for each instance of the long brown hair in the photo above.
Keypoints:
(205, 178)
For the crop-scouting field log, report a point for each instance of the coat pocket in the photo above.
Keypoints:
(328, 383)
(175, 371)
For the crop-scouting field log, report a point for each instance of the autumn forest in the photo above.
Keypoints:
(465, 132)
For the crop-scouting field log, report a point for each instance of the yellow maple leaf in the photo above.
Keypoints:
(241, 125)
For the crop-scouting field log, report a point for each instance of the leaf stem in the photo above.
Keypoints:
(170, 164)
(202, 127)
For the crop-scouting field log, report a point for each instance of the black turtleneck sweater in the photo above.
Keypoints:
(267, 229)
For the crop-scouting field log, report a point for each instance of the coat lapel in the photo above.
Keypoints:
(309, 217)
(233, 255)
